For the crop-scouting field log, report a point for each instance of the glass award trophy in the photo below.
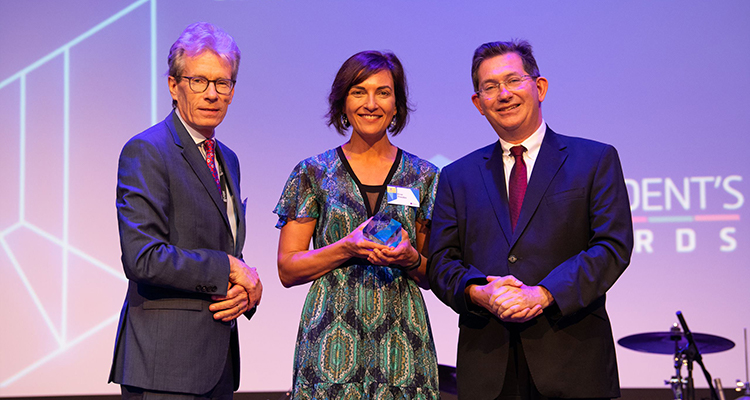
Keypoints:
(384, 230)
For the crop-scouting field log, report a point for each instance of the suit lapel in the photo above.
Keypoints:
(551, 156)
(196, 161)
(233, 184)
(494, 182)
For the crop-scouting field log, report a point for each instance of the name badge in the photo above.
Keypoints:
(402, 196)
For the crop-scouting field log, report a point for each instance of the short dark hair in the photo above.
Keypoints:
(493, 49)
(356, 70)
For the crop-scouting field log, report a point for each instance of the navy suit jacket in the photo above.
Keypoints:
(574, 237)
(175, 237)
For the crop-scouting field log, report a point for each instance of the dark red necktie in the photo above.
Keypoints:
(208, 145)
(517, 184)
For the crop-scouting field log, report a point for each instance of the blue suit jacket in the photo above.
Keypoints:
(175, 237)
(574, 237)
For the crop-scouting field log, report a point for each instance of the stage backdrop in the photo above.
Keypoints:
(665, 82)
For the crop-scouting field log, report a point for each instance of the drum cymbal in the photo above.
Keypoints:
(447, 379)
(664, 342)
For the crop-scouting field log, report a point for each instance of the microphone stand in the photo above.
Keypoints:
(693, 354)
(747, 380)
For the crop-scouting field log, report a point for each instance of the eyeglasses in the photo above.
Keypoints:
(490, 90)
(199, 84)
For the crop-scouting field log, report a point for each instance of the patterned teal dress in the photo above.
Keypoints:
(364, 331)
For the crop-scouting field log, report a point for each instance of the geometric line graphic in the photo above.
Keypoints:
(440, 160)
(22, 227)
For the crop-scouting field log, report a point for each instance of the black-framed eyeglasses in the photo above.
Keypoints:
(490, 90)
(199, 84)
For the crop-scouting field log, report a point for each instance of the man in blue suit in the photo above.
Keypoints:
(182, 228)
(528, 234)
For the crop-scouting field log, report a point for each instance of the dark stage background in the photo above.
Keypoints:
(665, 82)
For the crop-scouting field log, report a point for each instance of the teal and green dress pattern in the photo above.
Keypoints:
(364, 332)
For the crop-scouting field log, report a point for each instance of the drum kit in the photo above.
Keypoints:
(686, 348)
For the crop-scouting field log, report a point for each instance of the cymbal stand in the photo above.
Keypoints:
(677, 382)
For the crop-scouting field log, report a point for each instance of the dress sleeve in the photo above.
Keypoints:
(431, 175)
(298, 197)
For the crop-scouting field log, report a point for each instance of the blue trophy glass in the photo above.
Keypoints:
(384, 230)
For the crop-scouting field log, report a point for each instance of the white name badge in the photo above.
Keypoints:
(402, 196)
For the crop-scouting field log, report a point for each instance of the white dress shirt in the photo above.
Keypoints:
(532, 144)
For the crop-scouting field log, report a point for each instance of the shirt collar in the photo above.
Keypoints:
(197, 137)
(532, 143)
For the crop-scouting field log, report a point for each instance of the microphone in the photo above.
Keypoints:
(689, 336)
(694, 354)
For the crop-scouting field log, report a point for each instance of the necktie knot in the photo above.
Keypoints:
(517, 151)
(208, 145)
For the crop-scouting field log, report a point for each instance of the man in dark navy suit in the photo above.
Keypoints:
(182, 229)
(528, 234)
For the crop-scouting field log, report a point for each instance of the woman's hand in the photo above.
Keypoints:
(298, 264)
(404, 254)
(357, 245)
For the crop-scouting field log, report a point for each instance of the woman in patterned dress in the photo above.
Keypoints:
(364, 331)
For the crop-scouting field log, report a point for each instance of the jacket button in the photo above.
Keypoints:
(512, 258)
(213, 289)
(198, 288)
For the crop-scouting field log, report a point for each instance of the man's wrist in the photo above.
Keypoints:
(416, 264)
(546, 296)
(469, 296)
